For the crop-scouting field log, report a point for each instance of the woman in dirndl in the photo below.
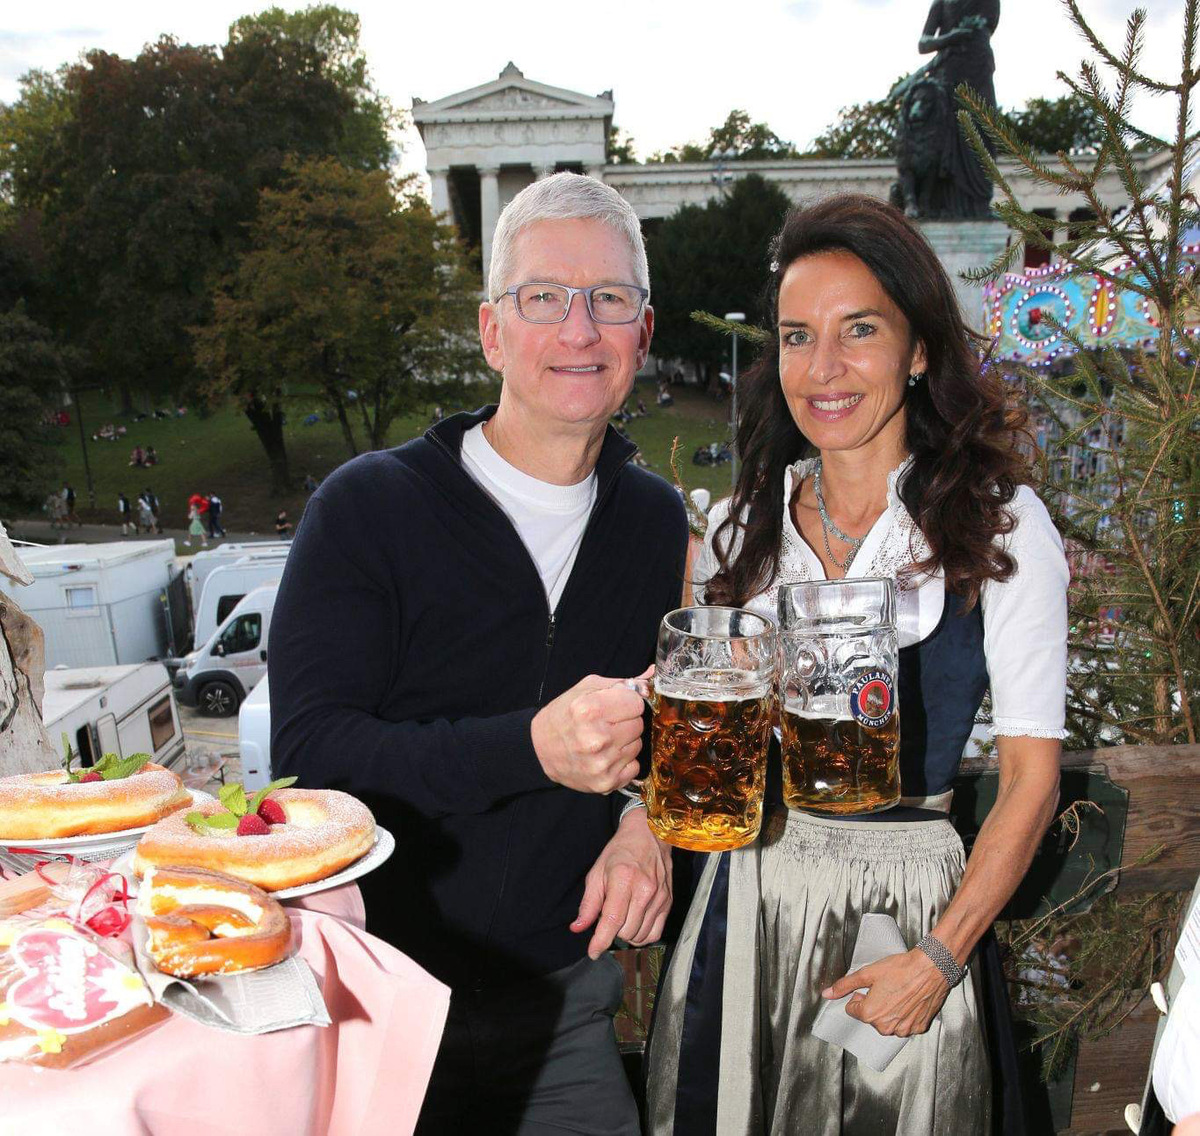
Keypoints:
(874, 444)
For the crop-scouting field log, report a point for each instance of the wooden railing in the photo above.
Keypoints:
(1149, 798)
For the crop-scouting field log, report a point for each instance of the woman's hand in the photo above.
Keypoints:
(905, 993)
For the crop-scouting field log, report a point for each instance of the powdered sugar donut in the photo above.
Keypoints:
(44, 806)
(325, 831)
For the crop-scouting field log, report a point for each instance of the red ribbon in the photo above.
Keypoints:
(110, 921)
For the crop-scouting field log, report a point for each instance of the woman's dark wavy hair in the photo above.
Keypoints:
(960, 428)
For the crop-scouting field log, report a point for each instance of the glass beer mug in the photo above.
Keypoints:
(839, 720)
(712, 697)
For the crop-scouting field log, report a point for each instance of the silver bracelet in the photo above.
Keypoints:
(937, 954)
(631, 804)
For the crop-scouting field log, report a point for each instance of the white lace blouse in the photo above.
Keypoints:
(1024, 618)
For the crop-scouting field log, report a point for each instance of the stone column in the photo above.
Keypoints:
(540, 173)
(595, 171)
(489, 213)
(440, 197)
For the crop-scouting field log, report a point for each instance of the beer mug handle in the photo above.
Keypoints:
(636, 788)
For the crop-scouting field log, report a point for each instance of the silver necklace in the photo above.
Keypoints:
(827, 527)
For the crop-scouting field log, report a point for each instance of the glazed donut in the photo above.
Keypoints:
(44, 806)
(325, 831)
(200, 922)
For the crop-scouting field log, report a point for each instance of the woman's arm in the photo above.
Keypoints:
(1004, 848)
(907, 991)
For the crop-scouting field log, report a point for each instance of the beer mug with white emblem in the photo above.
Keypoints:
(839, 720)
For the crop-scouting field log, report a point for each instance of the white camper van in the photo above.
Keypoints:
(208, 560)
(225, 586)
(226, 667)
(123, 710)
(105, 604)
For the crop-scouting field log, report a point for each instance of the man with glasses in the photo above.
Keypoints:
(448, 644)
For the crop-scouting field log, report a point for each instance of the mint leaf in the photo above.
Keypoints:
(68, 757)
(198, 821)
(233, 797)
(221, 820)
(117, 769)
(261, 795)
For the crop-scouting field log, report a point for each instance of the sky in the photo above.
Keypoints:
(674, 73)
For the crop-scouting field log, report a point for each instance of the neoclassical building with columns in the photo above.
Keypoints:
(484, 145)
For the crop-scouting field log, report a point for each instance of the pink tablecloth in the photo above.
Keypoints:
(365, 1074)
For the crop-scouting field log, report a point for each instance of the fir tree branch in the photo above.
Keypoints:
(1116, 64)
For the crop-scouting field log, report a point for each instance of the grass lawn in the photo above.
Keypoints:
(219, 453)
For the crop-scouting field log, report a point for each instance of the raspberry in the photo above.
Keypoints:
(91, 775)
(272, 811)
(252, 825)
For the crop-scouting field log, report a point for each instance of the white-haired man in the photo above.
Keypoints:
(447, 640)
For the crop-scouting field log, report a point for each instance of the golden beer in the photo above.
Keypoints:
(839, 766)
(708, 765)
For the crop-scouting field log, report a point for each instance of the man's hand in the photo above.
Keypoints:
(589, 737)
(629, 888)
(905, 993)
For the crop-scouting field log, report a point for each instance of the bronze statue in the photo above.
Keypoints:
(940, 177)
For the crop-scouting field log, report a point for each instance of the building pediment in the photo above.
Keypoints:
(511, 95)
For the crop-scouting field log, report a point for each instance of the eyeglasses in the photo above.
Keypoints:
(551, 303)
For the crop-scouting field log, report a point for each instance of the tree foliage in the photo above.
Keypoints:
(352, 287)
(1132, 511)
(864, 130)
(737, 135)
(142, 174)
(619, 150)
(712, 258)
(1068, 123)
(33, 375)
(333, 34)
(868, 130)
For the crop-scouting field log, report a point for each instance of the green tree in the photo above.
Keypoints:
(350, 287)
(1138, 514)
(1050, 125)
(712, 258)
(29, 132)
(620, 148)
(333, 34)
(864, 130)
(868, 130)
(33, 375)
(144, 172)
(748, 141)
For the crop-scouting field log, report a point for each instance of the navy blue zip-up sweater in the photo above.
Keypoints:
(412, 644)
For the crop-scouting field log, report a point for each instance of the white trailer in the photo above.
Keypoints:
(105, 604)
(122, 710)
(203, 563)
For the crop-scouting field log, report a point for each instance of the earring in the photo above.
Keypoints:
(914, 379)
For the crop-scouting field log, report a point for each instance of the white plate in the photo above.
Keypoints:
(384, 846)
(93, 846)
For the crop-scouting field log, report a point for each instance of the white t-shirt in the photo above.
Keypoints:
(1024, 617)
(550, 519)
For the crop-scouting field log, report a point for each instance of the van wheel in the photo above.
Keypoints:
(217, 700)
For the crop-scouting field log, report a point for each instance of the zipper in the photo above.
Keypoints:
(550, 625)
(551, 616)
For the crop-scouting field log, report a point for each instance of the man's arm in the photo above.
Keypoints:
(333, 635)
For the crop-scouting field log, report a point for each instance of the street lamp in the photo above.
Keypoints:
(734, 317)
(721, 157)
